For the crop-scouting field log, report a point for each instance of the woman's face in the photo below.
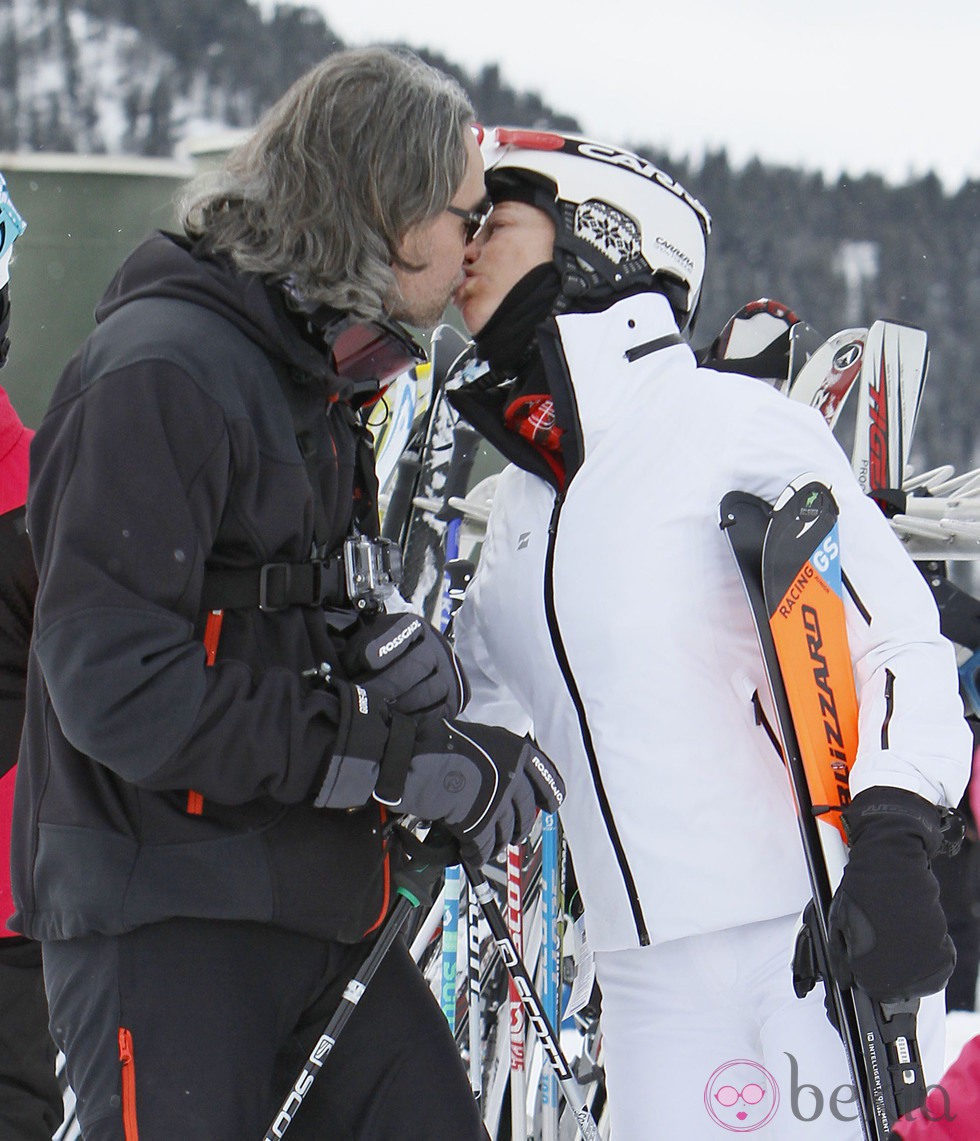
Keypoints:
(517, 238)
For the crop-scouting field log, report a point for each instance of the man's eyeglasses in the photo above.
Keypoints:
(475, 220)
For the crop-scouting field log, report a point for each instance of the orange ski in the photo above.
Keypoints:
(802, 583)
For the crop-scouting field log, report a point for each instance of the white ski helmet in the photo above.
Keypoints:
(623, 225)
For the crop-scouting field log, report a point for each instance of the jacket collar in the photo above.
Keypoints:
(613, 358)
(598, 367)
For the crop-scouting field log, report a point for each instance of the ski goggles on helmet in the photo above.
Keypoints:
(370, 354)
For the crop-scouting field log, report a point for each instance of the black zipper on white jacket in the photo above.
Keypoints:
(566, 671)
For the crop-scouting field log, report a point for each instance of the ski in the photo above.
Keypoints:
(515, 926)
(394, 420)
(827, 378)
(531, 1001)
(12, 225)
(433, 528)
(764, 339)
(439, 470)
(788, 558)
(474, 1008)
(399, 454)
(893, 373)
(550, 965)
(450, 942)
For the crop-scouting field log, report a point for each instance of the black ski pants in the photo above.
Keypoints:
(31, 1103)
(197, 1029)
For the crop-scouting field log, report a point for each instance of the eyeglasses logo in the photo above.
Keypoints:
(741, 1096)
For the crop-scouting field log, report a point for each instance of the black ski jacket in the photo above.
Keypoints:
(151, 783)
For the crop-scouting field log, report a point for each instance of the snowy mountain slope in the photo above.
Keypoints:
(71, 80)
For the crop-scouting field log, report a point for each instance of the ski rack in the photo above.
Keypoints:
(938, 515)
(935, 524)
(579, 1037)
(423, 507)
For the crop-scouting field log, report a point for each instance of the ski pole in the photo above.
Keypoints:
(475, 998)
(417, 881)
(532, 1003)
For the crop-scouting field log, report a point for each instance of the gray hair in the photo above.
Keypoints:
(364, 146)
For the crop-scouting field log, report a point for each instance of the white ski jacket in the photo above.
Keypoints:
(612, 620)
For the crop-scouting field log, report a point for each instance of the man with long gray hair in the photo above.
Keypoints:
(221, 711)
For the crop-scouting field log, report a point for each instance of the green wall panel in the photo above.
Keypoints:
(84, 214)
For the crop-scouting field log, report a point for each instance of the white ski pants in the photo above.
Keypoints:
(704, 1039)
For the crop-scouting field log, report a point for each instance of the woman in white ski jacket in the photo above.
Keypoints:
(608, 614)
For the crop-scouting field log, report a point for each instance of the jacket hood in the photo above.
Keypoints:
(15, 442)
(169, 265)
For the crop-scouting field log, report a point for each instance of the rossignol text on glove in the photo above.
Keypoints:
(405, 660)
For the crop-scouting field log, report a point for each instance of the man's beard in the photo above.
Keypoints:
(423, 314)
(425, 319)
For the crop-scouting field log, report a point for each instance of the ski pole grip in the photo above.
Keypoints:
(420, 877)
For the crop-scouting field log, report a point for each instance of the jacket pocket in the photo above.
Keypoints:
(751, 703)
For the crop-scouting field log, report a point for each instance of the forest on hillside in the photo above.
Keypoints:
(137, 76)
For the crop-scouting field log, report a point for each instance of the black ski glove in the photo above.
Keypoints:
(404, 659)
(482, 782)
(887, 929)
(810, 965)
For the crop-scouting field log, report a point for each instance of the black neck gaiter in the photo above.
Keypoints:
(506, 342)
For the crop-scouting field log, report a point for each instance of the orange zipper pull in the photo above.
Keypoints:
(130, 1128)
